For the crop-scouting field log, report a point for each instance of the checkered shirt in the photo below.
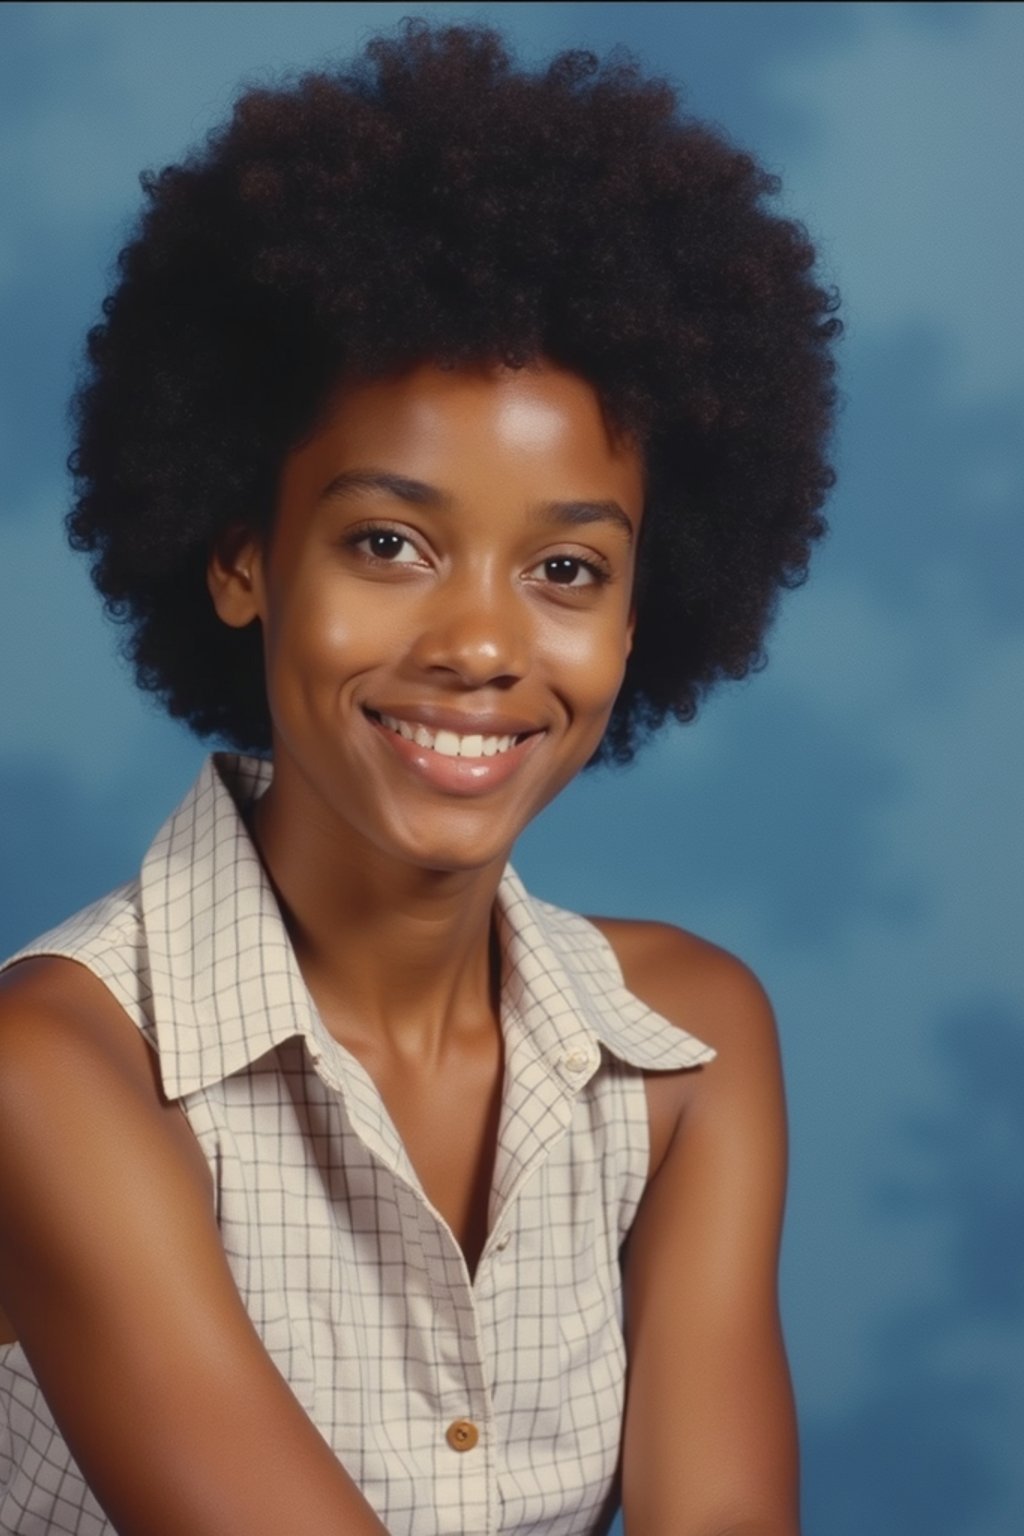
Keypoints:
(354, 1281)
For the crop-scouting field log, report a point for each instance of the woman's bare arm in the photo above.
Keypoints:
(115, 1280)
(710, 1434)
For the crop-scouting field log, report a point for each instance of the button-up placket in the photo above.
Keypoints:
(441, 1313)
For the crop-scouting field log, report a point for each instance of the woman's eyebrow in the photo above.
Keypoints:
(420, 494)
(417, 492)
(577, 513)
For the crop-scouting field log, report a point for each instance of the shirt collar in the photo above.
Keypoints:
(227, 987)
(561, 975)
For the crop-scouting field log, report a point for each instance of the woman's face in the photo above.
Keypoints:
(446, 605)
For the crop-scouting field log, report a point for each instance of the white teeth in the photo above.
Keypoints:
(448, 743)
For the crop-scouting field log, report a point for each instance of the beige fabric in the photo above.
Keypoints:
(354, 1282)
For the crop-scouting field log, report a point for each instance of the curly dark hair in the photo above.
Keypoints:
(433, 201)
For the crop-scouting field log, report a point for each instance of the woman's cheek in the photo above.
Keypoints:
(333, 629)
(590, 660)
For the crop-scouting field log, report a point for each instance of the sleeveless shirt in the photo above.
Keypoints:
(461, 1406)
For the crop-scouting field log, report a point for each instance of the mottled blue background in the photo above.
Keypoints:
(849, 821)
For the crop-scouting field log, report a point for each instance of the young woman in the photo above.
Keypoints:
(450, 428)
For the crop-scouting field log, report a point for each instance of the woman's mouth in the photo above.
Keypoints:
(449, 743)
(454, 762)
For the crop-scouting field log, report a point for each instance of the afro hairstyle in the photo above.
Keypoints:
(434, 201)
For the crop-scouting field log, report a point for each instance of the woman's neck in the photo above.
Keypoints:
(398, 959)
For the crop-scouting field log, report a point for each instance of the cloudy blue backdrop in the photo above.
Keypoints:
(849, 821)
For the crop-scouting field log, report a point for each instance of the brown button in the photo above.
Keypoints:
(462, 1434)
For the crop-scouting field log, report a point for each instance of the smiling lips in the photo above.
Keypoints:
(452, 761)
(448, 743)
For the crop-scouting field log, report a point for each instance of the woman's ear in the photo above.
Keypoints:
(234, 576)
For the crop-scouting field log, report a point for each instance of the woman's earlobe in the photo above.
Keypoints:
(234, 578)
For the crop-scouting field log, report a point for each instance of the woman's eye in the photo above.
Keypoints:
(384, 544)
(570, 571)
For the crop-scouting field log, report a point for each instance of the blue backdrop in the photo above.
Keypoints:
(849, 821)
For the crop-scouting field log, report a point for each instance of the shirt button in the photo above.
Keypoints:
(502, 1242)
(462, 1434)
(576, 1061)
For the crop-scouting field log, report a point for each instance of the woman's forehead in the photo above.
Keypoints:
(540, 428)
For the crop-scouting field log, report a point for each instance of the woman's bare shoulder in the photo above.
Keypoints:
(69, 1052)
(710, 993)
(692, 982)
(55, 1016)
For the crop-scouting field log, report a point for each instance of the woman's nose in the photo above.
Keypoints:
(474, 629)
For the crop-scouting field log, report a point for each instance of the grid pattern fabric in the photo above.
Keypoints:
(354, 1281)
